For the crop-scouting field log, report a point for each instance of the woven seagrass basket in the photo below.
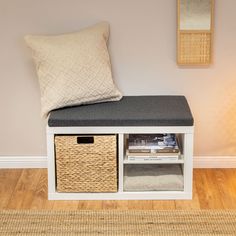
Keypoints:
(86, 163)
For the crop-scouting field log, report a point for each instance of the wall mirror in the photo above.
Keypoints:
(195, 32)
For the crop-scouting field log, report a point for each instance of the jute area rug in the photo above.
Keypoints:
(116, 223)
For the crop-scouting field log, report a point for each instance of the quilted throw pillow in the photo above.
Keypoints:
(74, 68)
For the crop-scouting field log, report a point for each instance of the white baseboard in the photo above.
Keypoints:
(17, 162)
(214, 162)
(14, 162)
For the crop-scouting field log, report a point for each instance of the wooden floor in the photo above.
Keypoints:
(27, 189)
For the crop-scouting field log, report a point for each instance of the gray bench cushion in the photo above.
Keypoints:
(129, 111)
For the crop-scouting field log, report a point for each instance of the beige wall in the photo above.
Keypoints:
(142, 46)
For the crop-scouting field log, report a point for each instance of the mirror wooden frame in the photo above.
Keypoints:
(194, 47)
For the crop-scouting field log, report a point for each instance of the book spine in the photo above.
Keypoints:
(153, 154)
(166, 150)
(152, 148)
(143, 147)
(147, 158)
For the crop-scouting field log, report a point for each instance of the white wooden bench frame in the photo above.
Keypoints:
(185, 131)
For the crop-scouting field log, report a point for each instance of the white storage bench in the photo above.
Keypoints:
(87, 150)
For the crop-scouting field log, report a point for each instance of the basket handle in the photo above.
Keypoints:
(85, 140)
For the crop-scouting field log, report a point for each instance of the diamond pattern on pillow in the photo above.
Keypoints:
(74, 69)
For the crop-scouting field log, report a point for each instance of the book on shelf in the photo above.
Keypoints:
(160, 142)
(152, 158)
(164, 150)
(152, 154)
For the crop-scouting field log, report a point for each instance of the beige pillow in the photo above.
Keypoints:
(74, 68)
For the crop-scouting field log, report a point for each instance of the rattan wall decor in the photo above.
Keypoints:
(195, 32)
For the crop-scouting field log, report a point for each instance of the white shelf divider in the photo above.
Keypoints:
(120, 160)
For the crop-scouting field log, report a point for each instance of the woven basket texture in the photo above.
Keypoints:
(86, 167)
(195, 48)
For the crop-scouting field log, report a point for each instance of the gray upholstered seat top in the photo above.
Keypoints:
(129, 111)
